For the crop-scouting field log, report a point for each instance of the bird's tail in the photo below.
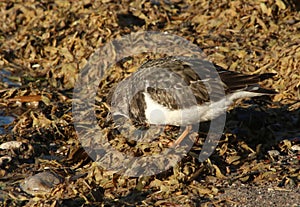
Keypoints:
(266, 76)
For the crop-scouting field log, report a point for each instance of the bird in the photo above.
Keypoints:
(182, 91)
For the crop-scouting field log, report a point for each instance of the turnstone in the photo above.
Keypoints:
(170, 91)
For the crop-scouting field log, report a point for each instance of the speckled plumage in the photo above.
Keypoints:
(173, 86)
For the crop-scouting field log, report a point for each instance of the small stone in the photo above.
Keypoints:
(11, 145)
(40, 183)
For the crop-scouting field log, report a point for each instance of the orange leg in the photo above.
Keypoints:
(181, 137)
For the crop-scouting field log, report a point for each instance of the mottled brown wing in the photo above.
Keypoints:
(182, 83)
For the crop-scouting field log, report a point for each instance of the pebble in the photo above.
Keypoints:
(10, 145)
(40, 183)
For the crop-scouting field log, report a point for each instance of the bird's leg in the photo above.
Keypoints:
(181, 137)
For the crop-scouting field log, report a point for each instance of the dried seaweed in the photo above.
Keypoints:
(45, 44)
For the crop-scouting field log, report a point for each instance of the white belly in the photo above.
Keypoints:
(160, 115)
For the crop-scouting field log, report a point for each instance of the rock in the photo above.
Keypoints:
(10, 145)
(40, 183)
